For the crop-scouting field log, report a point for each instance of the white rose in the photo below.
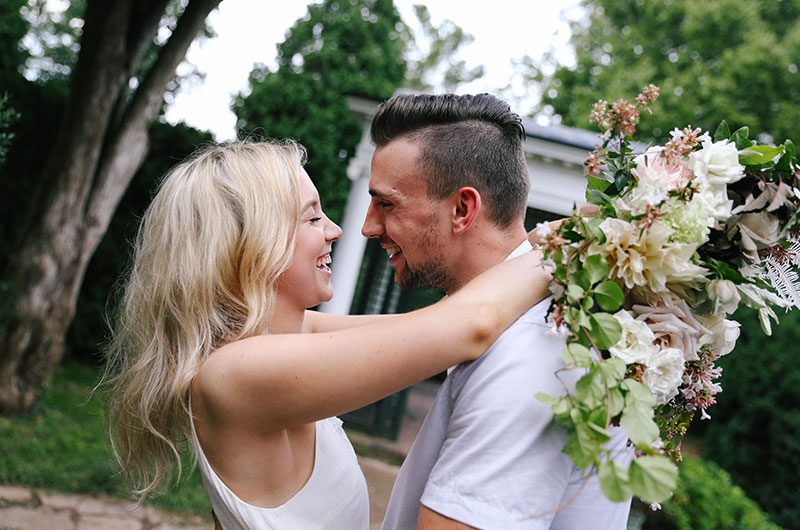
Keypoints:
(725, 295)
(717, 163)
(664, 374)
(636, 343)
(723, 333)
(715, 199)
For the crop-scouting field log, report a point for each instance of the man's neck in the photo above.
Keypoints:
(484, 250)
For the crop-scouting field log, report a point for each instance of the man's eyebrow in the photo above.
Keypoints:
(379, 194)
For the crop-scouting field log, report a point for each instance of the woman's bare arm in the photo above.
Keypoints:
(279, 381)
(319, 322)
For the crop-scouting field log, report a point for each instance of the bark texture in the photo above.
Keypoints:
(100, 146)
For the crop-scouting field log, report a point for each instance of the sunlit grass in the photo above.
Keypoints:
(62, 444)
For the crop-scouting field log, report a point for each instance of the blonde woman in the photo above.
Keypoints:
(213, 345)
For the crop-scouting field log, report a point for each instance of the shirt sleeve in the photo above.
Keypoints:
(501, 465)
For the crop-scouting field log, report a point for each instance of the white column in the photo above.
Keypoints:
(348, 252)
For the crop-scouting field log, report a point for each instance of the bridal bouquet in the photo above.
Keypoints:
(680, 235)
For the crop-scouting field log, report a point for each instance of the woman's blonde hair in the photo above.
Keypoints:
(210, 249)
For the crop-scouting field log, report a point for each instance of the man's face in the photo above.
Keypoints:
(410, 226)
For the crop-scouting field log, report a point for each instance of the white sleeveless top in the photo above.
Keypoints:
(334, 498)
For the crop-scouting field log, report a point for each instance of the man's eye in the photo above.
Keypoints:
(384, 204)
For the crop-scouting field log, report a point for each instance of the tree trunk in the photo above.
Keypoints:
(96, 155)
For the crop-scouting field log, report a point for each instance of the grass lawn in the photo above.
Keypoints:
(62, 444)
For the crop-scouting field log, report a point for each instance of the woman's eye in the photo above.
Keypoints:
(315, 219)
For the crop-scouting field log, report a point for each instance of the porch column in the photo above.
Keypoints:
(348, 252)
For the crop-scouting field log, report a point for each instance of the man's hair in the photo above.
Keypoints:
(464, 141)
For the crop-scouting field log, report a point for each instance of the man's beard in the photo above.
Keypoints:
(430, 273)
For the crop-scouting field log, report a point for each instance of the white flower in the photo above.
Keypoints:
(761, 299)
(664, 374)
(722, 335)
(758, 230)
(543, 230)
(725, 295)
(715, 199)
(636, 343)
(717, 163)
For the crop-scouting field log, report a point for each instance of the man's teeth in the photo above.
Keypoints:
(393, 251)
(324, 261)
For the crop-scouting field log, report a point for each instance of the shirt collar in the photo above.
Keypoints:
(523, 247)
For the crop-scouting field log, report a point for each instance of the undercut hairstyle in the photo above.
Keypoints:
(469, 140)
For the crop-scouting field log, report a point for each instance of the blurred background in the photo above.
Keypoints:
(99, 99)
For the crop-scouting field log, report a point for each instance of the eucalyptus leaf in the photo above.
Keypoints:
(653, 478)
(609, 296)
(605, 330)
(597, 196)
(614, 481)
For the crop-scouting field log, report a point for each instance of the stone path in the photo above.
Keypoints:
(24, 508)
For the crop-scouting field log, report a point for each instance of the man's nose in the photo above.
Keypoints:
(373, 226)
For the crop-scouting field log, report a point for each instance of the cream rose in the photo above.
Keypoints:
(674, 326)
(759, 230)
(652, 170)
(664, 374)
(636, 343)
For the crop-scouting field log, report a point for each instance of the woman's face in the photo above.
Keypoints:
(307, 281)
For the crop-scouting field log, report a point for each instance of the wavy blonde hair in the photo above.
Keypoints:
(210, 249)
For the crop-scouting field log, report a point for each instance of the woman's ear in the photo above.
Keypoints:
(466, 207)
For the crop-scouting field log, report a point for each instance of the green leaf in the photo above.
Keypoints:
(759, 154)
(612, 370)
(580, 278)
(723, 132)
(637, 416)
(740, 139)
(581, 446)
(595, 183)
(616, 401)
(604, 329)
(653, 478)
(590, 389)
(576, 354)
(597, 196)
(609, 296)
(639, 425)
(596, 268)
(574, 292)
(614, 481)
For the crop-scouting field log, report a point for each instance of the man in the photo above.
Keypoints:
(449, 188)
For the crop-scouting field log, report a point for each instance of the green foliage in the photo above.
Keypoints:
(439, 61)
(62, 443)
(12, 29)
(88, 331)
(728, 59)
(707, 499)
(338, 48)
(755, 430)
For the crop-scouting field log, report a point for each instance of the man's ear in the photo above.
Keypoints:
(467, 205)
